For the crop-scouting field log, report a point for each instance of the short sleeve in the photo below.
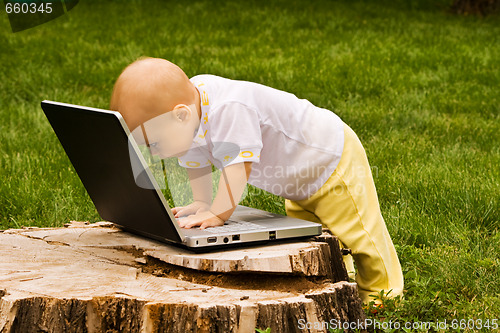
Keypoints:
(235, 134)
(193, 159)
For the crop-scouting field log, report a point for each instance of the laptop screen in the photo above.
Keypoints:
(97, 143)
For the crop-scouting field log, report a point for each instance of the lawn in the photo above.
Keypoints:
(420, 87)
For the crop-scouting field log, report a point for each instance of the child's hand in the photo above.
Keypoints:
(203, 219)
(193, 208)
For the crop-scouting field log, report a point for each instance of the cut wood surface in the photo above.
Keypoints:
(97, 278)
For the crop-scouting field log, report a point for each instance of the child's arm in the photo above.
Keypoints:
(231, 186)
(201, 185)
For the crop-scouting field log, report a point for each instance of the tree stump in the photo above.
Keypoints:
(98, 278)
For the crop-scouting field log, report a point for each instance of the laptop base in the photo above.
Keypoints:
(242, 246)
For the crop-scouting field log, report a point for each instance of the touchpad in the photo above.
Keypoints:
(251, 216)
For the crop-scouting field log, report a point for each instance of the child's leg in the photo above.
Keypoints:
(294, 210)
(348, 205)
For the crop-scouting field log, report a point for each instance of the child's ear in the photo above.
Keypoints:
(181, 112)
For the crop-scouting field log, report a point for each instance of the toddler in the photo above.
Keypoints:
(267, 138)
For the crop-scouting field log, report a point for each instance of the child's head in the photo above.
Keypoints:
(159, 104)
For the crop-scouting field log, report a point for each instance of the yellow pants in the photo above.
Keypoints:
(347, 204)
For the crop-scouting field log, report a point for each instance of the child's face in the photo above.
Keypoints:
(169, 134)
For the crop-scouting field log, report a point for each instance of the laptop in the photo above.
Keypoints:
(105, 156)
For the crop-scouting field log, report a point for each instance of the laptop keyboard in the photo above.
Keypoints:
(235, 226)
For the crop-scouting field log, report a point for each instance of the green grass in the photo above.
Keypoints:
(419, 86)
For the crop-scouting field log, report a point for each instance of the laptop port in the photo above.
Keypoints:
(212, 240)
(226, 239)
(272, 234)
(236, 238)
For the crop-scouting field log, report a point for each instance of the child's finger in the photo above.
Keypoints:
(211, 223)
(183, 211)
(192, 224)
(176, 209)
(184, 222)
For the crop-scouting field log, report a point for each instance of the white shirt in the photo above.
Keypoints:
(294, 145)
